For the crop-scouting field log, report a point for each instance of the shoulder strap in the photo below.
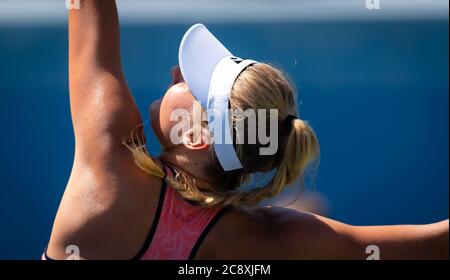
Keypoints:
(152, 232)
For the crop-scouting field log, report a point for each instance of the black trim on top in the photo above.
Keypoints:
(47, 258)
(152, 232)
(205, 232)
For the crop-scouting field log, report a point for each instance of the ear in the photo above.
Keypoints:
(199, 141)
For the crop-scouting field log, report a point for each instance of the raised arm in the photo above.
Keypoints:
(103, 109)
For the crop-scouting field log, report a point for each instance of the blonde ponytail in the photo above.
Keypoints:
(301, 148)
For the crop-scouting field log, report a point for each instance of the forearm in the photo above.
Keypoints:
(94, 40)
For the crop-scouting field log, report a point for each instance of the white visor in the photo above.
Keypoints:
(210, 71)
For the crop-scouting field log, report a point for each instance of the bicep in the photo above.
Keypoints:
(103, 114)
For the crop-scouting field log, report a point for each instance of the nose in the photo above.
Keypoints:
(177, 77)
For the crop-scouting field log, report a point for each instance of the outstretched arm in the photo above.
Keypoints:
(103, 109)
(428, 241)
(315, 237)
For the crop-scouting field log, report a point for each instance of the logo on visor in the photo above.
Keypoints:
(236, 59)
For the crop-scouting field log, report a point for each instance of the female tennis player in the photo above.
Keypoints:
(121, 203)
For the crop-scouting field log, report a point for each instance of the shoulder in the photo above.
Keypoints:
(280, 233)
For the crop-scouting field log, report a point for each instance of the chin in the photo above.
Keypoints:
(153, 111)
(157, 133)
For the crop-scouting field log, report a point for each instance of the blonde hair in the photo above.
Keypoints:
(260, 86)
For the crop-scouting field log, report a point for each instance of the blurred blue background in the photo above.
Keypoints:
(375, 91)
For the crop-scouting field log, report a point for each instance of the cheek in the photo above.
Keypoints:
(177, 97)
